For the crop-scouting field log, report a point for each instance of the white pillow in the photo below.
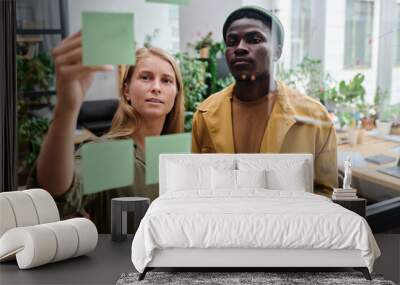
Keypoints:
(223, 179)
(228, 179)
(293, 179)
(183, 177)
(251, 178)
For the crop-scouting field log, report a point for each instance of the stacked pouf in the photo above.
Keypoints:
(31, 230)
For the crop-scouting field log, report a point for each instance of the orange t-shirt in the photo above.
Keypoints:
(249, 120)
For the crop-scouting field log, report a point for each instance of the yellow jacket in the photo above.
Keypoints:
(297, 124)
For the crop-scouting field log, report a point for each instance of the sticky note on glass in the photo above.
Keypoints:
(177, 2)
(107, 38)
(177, 143)
(107, 165)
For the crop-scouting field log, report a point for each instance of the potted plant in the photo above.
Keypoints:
(387, 117)
(347, 99)
(369, 111)
(209, 51)
(203, 45)
(344, 100)
(368, 114)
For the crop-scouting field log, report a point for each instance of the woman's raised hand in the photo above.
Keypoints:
(73, 79)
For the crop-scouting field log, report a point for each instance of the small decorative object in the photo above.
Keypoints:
(347, 192)
(368, 123)
(347, 173)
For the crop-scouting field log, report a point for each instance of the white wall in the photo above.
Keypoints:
(202, 16)
(266, 4)
(284, 15)
(335, 44)
(395, 96)
(147, 18)
(387, 37)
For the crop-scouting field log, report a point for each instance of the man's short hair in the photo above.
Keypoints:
(253, 12)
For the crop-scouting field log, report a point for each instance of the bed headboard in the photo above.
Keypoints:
(269, 160)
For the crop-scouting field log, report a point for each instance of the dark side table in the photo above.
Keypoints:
(119, 208)
(358, 205)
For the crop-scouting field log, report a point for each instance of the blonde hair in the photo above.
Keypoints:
(127, 119)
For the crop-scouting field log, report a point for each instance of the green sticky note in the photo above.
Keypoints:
(107, 38)
(177, 2)
(107, 165)
(177, 143)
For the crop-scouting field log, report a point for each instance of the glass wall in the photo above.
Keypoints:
(300, 31)
(343, 53)
(359, 33)
(395, 94)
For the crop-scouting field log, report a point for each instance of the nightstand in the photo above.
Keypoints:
(119, 208)
(358, 205)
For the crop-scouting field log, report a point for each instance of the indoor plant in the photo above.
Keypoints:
(35, 77)
(215, 83)
(307, 77)
(194, 76)
(346, 97)
(369, 111)
(31, 131)
(35, 74)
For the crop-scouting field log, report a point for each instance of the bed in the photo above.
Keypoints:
(246, 211)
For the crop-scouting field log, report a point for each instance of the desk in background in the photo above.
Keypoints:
(370, 183)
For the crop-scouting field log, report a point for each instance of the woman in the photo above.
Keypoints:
(151, 104)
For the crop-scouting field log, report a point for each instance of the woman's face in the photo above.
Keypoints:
(152, 89)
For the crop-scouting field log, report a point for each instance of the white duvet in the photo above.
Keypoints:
(252, 218)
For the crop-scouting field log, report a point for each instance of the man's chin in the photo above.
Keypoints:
(243, 76)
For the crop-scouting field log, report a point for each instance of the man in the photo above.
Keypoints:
(258, 113)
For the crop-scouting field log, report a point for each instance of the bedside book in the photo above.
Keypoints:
(344, 194)
(338, 194)
(336, 190)
(349, 198)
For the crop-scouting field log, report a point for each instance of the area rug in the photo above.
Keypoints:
(242, 278)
